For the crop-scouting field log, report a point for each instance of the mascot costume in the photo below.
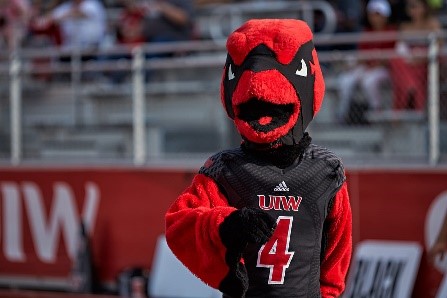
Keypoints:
(271, 218)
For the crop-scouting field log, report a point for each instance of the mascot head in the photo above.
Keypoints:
(272, 85)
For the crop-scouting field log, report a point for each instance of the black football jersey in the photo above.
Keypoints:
(299, 198)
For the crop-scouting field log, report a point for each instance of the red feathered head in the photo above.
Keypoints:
(272, 85)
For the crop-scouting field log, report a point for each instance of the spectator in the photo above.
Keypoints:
(152, 21)
(371, 73)
(170, 20)
(43, 34)
(14, 18)
(155, 21)
(409, 73)
(398, 14)
(348, 14)
(130, 32)
(82, 22)
(130, 27)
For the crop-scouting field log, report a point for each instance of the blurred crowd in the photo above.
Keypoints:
(90, 24)
(406, 73)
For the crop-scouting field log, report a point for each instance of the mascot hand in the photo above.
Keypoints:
(243, 226)
(246, 225)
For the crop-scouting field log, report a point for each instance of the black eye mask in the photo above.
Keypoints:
(298, 72)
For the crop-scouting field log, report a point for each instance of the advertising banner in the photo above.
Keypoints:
(123, 211)
(384, 269)
(41, 210)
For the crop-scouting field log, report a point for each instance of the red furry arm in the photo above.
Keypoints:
(337, 255)
(192, 229)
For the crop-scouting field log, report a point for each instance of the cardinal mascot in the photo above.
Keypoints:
(272, 217)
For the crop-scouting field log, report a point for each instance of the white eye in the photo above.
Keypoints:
(303, 71)
(230, 74)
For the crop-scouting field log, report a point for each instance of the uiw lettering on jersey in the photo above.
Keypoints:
(286, 203)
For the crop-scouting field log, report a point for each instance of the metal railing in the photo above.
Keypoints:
(199, 55)
(219, 20)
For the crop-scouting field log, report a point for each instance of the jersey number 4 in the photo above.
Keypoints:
(275, 253)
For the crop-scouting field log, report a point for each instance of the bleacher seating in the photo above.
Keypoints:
(94, 120)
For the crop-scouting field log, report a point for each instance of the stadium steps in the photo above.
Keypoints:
(183, 114)
(186, 117)
(91, 142)
(348, 141)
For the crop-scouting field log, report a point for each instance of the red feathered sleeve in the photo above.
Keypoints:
(337, 255)
(192, 229)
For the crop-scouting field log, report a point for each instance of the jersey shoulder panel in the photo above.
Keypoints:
(319, 153)
(217, 163)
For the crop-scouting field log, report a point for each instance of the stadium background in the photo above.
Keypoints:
(117, 156)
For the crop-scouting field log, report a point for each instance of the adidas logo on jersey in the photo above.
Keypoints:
(281, 187)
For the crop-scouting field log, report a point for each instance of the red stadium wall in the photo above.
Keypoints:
(124, 208)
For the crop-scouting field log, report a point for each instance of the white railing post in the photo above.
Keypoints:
(15, 98)
(76, 76)
(139, 107)
(433, 99)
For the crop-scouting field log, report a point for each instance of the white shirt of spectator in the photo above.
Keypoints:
(83, 32)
